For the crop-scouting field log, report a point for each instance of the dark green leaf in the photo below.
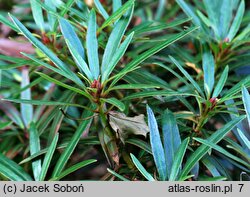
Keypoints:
(117, 14)
(115, 102)
(237, 21)
(53, 80)
(135, 86)
(203, 149)
(48, 157)
(135, 62)
(12, 171)
(117, 175)
(156, 93)
(34, 148)
(141, 168)
(219, 86)
(72, 144)
(178, 160)
(139, 143)
(74, 168)
(185, 73)
(44, 49)
(42, 102)
(221, 150)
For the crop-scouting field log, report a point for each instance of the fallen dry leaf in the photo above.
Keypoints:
(125, 126)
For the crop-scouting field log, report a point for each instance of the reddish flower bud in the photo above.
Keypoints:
(213, 101)
(226, 40)
(45, 39)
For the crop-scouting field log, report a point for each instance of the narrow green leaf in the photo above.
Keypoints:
(74, 168)
(56, 70)
(15, 65)
(244, 138)
(113, 101)
(92, 46)
(185, 73)
(12, 170)
(156, 93)
(58, 118)
(72, 144)
(116, 5)
(208, 162)
(189, 11)
(34, 144)
(48, 157)
(204, 19)
(135, 62)
(243, 148)
(182, 79)
(115, 39)
(69, 87)
(70, 35)
(246, 102)
(219, 86)
(5, 21)
(208, 66)
(10, 110)
(141, 168)
(235, 89)
(51, 17)
(241, 36)
(218, 178)
(37, 14)
(151, 27)
(134, 86)
(85, 141)
(42, 102)
(203, 149)
(221, 150)
(117, 56)
(160, 9)
(5, 124)
(65, 9)
(26, 109)
(80, 62)
(178, 159)
(117, 175)
(117, 14)
(101, 9)
(171, 138)
(139, 143)
(237, 21)
(44, 49)
(214, 15)
(156, 145)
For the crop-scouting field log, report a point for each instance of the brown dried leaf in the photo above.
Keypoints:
(125, 126)
(193, 66)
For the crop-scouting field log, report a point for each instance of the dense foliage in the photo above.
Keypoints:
(124, 90)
